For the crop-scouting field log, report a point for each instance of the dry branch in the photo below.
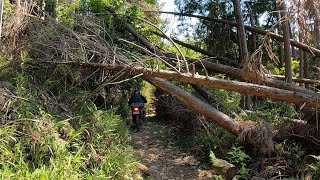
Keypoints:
(218, 57)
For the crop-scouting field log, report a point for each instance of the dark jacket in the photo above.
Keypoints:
(137, 98)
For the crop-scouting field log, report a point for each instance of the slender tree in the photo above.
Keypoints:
(1, 12)
(317, 38)
(286, 37)
(301, 56)
(243, 48)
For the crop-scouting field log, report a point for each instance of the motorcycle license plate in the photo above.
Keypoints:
(135, 112)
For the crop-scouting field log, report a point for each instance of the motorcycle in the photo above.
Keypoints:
(138, 115)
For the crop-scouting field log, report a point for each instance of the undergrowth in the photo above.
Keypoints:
(42, 141)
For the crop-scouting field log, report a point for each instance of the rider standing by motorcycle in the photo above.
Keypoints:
(137, 98)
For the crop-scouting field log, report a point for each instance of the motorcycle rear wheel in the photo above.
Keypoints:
(136, 121)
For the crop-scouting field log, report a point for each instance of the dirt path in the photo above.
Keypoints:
(162, 156)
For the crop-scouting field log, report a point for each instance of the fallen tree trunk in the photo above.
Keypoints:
(195, 104)
(214, 66)
(275, 36)
(156, 51)
(257, 135)
(298, 80)
(237, 74)
(241, 87)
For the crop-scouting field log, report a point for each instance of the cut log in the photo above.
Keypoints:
(241, 87)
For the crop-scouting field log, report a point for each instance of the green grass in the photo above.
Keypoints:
(96, 144)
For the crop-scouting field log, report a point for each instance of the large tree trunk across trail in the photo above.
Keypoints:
(241, 87)
(195, 104)
(257, 135)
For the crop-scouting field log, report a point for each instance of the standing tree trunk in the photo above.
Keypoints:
(1, 12)
(279, 31)
(306, 68)
(301, 29)
(280, 52)
(291, 31)
(286, 38)
(250, 101)
(243, 48)
(301, 56)
(317, 40)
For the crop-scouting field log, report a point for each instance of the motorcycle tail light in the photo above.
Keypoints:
(135, 109)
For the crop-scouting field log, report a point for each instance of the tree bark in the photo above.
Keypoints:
(270, 81)
(279, 31)
(205, 94)
(195, 104)
(1, 12)
(275, 36)
(243, 48)
(301, 55)
(317, 41)
(286, 38)
(215, 67)
(211, 82)
(251, 101)
(306, 68)
(245, 101)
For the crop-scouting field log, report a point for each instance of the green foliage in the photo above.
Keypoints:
(90, 144)
(217, 177)
(147, 90)
(314, 168)
(270, 111)
(215, 162)
(291, 151)
(8, 9)
(239, 157)
(295, 68)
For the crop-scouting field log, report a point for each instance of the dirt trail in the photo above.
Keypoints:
(162, 156)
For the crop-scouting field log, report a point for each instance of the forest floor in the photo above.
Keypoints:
(160, 153)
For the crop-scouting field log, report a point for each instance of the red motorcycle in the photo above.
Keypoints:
(138, 115)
